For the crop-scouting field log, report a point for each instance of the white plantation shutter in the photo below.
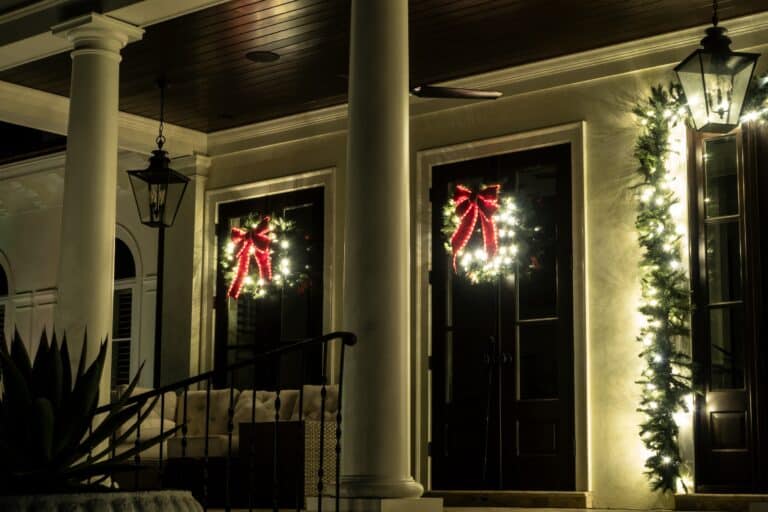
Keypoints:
(121, 336)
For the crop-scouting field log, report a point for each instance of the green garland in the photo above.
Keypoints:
(667, 378)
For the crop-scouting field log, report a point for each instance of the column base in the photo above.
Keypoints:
(378, 504)
(376, 487)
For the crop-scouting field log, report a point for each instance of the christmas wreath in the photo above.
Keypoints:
(492, 253)
(267, 242)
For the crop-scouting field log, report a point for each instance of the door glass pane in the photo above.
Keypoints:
(538, 264)
(723, 261)
(726, 328)
(537, 360)
(721, 195)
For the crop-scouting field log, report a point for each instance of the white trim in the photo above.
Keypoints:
(50, 112)
(573, 134)
(23, 12)
(34, 40)
(628, 57)
(40, 164)
(215, 197)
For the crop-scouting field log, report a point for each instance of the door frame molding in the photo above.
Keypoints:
(572, 133)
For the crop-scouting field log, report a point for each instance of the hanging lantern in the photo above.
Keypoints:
(158, 189)
(715, 80)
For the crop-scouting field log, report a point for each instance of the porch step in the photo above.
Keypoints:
(514, 499)
(722, 502)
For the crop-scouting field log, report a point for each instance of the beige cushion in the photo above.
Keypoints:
(150, 454)
(196, 406)
(218, 446)
(150, 428)
(312, 403)
(169, 411)
(265, 406)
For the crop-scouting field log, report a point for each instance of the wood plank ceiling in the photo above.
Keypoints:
(214, 87)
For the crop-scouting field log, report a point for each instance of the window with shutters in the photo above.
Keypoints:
(122, 314)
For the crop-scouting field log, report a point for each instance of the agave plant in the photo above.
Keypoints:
(53, 435)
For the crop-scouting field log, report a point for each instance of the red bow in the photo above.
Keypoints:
(254, 241)
(470, 206)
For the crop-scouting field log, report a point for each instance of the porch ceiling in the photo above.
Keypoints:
(214, 87)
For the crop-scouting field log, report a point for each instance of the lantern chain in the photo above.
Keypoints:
(160, 140)
(715, 19)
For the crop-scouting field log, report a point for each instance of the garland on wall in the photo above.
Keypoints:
(666, 380)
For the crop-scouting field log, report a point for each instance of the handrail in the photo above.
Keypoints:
(347, 338)
(214, 463)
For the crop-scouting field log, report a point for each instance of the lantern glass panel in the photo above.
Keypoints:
(715, 86)
(158, 194)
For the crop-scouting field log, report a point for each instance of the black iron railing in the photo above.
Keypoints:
(236, 476)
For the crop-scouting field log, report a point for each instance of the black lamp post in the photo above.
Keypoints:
(715, 80)
(158, 191)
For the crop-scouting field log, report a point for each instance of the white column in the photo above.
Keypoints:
(86, 262)
(376, 427)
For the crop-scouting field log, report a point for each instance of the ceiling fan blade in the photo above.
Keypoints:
(436, 91)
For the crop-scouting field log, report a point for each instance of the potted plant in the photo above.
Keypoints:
(57, 446)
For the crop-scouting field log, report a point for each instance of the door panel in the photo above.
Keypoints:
(502, 352)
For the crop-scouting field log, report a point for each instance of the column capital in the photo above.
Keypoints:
(98, 32)
(195, 166)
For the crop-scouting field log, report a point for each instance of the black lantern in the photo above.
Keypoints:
(158, 191)
(715, 80)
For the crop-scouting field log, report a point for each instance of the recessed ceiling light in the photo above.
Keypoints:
(262, 56)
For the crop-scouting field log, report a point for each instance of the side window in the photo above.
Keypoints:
(122, 313)
(727, 320)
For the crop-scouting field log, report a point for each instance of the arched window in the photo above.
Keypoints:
(3, 298)
(122, 314)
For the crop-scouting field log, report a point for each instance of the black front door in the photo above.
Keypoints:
(291, 308)
(502, 346)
